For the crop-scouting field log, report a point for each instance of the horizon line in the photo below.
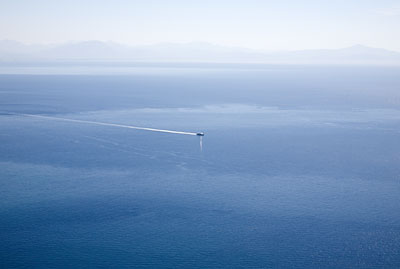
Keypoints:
(187, 43)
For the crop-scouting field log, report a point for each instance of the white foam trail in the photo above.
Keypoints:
(107, 124)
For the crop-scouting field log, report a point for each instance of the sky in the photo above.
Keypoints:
(258, 24)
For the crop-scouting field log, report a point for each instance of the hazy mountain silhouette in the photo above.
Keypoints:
(189, 52)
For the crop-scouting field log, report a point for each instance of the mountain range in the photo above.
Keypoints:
(13, 51)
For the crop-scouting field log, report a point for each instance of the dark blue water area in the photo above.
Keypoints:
(299, 169)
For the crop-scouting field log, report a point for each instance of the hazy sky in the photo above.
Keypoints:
(261, 24)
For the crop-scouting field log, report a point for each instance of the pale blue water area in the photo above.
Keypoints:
(300, 167)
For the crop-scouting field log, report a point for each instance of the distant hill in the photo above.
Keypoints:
(190, 52)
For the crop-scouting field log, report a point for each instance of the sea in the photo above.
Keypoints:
(299, 167)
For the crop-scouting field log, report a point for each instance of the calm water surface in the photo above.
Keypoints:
(300, 168)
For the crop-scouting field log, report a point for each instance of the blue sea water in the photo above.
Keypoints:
(300, 167)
